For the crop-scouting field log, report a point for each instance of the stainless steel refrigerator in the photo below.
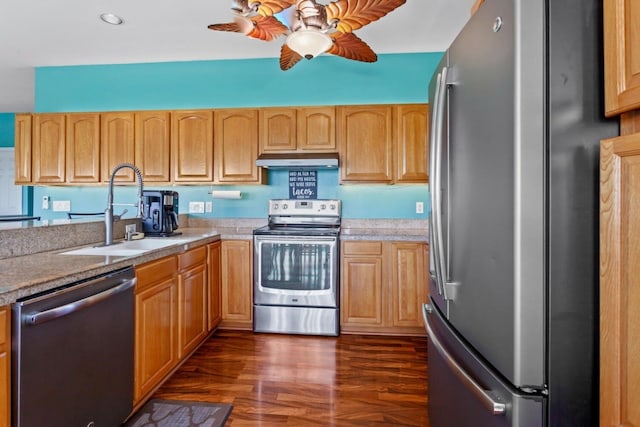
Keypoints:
(517, 116)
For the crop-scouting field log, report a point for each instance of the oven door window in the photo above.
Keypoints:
(290, 265)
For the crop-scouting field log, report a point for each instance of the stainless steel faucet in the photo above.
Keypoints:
(108, 213)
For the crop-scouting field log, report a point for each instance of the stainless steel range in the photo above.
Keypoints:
(296, 268)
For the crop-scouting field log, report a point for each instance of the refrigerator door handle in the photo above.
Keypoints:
(436, 201)
(434, 263)
(496, 408)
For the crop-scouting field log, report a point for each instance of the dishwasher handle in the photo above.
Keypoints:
(64, 310)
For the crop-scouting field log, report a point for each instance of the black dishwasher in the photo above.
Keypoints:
(72, 351)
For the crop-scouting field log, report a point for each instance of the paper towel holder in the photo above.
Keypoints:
(225, 194)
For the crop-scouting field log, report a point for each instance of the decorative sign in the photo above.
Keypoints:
(303, 184)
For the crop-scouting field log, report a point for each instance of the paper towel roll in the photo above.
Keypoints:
(226, 194)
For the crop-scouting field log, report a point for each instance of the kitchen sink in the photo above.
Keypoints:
(126, 248)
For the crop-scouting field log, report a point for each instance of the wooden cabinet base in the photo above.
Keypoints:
(5, 366)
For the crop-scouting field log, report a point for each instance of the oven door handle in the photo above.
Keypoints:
(41, 317)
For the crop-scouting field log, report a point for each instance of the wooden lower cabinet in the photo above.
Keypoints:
(620, 281)
(383, 287)
(5, 366)
(214, 308)
(156, 324)
(192, 297)
(236, 280)
(171, 316)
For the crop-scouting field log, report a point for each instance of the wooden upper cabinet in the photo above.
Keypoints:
(365, 139)
(49, 148)
(411, 134)
(153, 145)
(192, 146)
(118, 145)
(621, 55)
(22, 149)
(620, 281)
(304, 129)
(236, 147)
(316, 129)
(277, 130)
(83, 148)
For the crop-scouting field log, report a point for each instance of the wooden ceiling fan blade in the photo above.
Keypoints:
(288, 57)
(271, 7)
(350, 46)
(267, 28)
(354, 14)
(229, 26)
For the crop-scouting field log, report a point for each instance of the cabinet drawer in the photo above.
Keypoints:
(155, 271)
(192, 257)
(362, 248)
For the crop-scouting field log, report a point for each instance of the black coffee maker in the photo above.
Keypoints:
(160, 213)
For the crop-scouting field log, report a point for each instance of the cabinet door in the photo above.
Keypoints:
(22, 151)
(49, 148)
(153, 145)
(236, 147)
(117, 145)
(277, 130)
(316, 129)
(620, 281)
(365, 138)
(410, 125)
(5, 366)
(156, 324)
(361, 286)
(192, 146)
(192, 297)
(215, 310)
(237, 284)
(408, 284)
(156, 335)
(83, 148)
(622, 56)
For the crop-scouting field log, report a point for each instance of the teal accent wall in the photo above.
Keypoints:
(7, 129)
(327, 80)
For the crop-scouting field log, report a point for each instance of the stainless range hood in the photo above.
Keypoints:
(298, 161)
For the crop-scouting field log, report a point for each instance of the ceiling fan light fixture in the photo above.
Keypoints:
(309, 43)
(111, 18)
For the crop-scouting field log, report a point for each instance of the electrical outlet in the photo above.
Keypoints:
(419, 207)
(196, 207)
(208, 207)
(45, 202)
(129, 228)
(62, 205)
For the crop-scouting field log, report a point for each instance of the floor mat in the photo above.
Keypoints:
(178, 413)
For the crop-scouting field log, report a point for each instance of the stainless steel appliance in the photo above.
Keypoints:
(72, 354)
(517, 116)
(296, 268)
(160, 213)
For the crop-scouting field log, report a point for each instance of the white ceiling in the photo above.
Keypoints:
(69, 32)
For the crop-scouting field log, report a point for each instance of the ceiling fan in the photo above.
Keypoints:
(311, 28)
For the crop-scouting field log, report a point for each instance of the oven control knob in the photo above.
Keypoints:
(323, 207)
(275, 206)
(284, 206)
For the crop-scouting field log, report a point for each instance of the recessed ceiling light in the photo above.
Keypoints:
(112, 19)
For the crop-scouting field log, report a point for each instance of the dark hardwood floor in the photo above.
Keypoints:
(293, 380)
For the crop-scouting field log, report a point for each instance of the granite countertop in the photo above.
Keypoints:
(31, 260)
(28, 274)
